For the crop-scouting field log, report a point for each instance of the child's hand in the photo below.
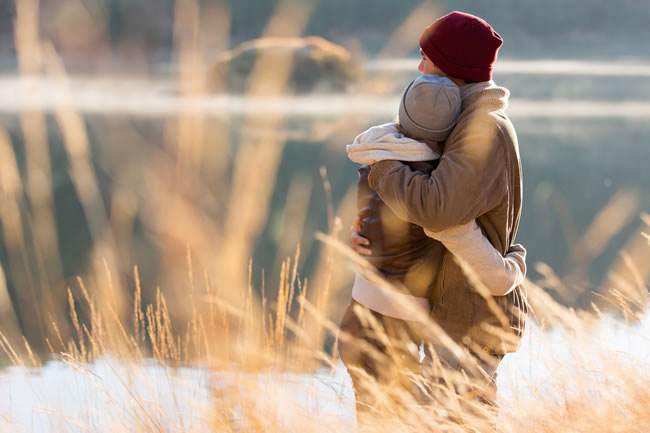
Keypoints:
(359, 243)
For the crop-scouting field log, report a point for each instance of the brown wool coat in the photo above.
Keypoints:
(478, 177)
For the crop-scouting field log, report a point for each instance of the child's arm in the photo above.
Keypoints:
(500, 275)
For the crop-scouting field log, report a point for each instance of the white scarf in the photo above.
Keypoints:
(384, 142)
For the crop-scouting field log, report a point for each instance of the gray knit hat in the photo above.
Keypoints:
(429, 108)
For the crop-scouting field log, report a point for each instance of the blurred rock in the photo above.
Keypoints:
(318, 65)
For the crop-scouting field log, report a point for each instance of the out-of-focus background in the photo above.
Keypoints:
(160, 145)
(121, 32)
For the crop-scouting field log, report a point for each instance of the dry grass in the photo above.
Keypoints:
(206, 213)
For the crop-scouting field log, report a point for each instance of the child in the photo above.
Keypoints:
(403, 253)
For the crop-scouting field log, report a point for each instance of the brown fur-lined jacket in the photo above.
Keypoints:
(478, 177)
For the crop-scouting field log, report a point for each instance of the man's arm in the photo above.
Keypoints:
(470, 180)
(498, 273)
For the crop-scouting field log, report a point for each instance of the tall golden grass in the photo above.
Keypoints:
(206, 201)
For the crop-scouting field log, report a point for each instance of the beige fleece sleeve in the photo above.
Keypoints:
(499, 274)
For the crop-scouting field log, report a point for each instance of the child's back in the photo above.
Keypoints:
(401, 251)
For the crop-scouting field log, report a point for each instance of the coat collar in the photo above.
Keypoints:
(485, 92)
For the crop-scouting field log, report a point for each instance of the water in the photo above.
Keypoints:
(553, 67)
(583, 131)
(550, 96)
(113, 395)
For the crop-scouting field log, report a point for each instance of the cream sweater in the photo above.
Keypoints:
(499, 274)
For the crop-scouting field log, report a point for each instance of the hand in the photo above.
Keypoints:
(359, 243)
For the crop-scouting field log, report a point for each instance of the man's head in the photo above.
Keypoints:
(427, 67)
(461, 46)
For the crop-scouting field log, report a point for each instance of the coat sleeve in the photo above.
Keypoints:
(470, 180)
(499, 274)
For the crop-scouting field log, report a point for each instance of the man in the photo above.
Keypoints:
(478, 177)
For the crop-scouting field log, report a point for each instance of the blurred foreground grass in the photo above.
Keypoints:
(202, 196)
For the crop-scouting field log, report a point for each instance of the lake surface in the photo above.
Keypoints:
(583, 131)
(113, 395)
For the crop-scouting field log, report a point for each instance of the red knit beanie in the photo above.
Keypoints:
(462, 46)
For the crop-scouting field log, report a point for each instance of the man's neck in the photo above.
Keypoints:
(458, 81)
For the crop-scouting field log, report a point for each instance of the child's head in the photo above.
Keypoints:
(429, 108)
